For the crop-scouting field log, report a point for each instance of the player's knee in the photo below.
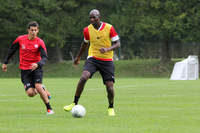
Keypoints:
(31, 94)
(83, 79)
(85, 76)
(109, 84)
(39, 88)
(110, 90)
(109, 87)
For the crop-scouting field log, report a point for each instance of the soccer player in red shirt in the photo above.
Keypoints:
(102, 39)
(32, 56)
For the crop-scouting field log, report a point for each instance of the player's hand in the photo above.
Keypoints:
(4, 67)
(103, 50)
(34, 66)
(76, 61)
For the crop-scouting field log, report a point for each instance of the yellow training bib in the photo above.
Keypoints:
(100, 39)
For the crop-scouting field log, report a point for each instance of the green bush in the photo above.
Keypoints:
(123, 68)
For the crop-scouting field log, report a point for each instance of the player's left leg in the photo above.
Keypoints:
(110, 96)
(110, 93)
(48, 93)
(106, 70)
(44, 97)
(37, 79)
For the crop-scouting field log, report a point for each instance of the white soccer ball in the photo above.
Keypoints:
(78, 111)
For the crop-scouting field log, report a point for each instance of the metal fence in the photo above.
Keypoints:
(143, 50)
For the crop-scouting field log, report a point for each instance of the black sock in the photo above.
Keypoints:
(76, 98)
(48, 106)
(111, 105)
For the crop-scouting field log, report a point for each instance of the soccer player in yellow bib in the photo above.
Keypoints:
(102, 40)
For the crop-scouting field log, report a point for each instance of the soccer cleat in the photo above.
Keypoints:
(111, 112)
(69, 107)
(50, 112)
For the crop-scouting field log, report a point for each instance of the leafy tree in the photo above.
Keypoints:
(162, 21)
(62, 21)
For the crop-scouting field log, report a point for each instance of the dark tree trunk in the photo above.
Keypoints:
(165, 51)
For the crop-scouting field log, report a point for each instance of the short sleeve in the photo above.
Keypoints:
(113, 34)
(86, 35)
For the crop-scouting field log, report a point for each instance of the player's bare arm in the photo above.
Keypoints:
(81, 51)
(115, 45)
(4, 67)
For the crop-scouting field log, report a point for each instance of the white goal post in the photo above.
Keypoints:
(188, 69)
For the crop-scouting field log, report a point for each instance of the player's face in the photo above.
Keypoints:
(94, 19)
(32, 32)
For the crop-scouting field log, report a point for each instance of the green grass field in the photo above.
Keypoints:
(143, 105)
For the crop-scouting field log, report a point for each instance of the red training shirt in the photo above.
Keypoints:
(29, 51)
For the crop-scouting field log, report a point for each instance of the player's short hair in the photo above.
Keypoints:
(95, 12)
(32, 23)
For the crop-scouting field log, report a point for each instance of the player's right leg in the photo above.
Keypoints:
(31, 92)
(85, 76)
(88, 70)
(28, 85)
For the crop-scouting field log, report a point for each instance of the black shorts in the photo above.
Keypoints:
(29, 78)
(105, 68)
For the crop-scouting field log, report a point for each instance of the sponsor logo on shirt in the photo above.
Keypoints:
(36, 45)
(23, 46)
(98, 37)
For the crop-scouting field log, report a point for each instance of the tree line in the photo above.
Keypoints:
(147, 28)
